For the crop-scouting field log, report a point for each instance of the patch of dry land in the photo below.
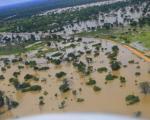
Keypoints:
(80, 75)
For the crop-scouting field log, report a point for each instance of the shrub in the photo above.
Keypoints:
(3, 69)
(55, 61)
(137, 73)
(145, 87)
(64, 87)
(122, 79)
(132, 99)
(28, 76)
(2, 77)
(57, 54)
(20, 67)
(91, 82)
(96, 88)
(110, 77)
(131, 61)
(115, 48)
(1, 101)
(80, 100)
(32, 88)
(14, 104)
(102, 69)
(60, 74)
(115, 65)
(16, 74)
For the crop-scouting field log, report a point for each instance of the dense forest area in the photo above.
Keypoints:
(55, 21)
(36, 6)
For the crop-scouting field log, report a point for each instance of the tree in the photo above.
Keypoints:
(1, 99)
(145, 87)
(115, 65)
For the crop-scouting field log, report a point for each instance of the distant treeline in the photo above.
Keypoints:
(56, 22)
(37, 6)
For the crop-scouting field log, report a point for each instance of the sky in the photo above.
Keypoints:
(9, 2)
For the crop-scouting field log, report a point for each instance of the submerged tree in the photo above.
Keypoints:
(145, 87)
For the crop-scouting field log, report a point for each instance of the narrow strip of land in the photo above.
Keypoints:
(138, 53)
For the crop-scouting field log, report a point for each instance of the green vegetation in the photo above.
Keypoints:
(110, 77)
(115, 65)
(102, 69)
(60, 74)
(122, 79)
(2, 77)
(60, 19)
(80, 100)
(96, 88)
(32, 88)
(91, 82)
(126, 34)
(64, 87)
(145, 87)
(132, 99)
(29, 77)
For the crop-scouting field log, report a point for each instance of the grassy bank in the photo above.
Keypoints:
(124, 34)
(18, 49)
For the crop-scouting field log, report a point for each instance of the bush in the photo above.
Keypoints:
(14, 104)
(132, 99)
(64, 87)
(122, 79)
(20, 67)
(55, 61)
(145, 87)
(102, 69)
(91, 82)
(16, 74)
(15, 82)
(32, 88)
(28, 76)
(137, 74)
(57, 54)
(80, 100)
(96, 88)
(131, 61)
(43, 68)
(115, 65)
(1, 101)
(115, 48)
(110, 77)
(24, 85)
(2, 77)
(60, 74)
(3, 69)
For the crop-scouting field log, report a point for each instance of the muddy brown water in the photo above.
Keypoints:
(111, 99)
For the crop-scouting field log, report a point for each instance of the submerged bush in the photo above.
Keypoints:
(102, 69)
(80, 100)
(110, 77)
(2, 77)
(122, 79)
(96, 88)
(60, 74)
(64, 87)
(132, 99)
(145, 87)
(32, 88)
(115, 65)
(91, 82)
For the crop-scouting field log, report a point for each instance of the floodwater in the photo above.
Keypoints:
(111, 99)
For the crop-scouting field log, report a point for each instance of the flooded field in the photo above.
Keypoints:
(103, 96)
